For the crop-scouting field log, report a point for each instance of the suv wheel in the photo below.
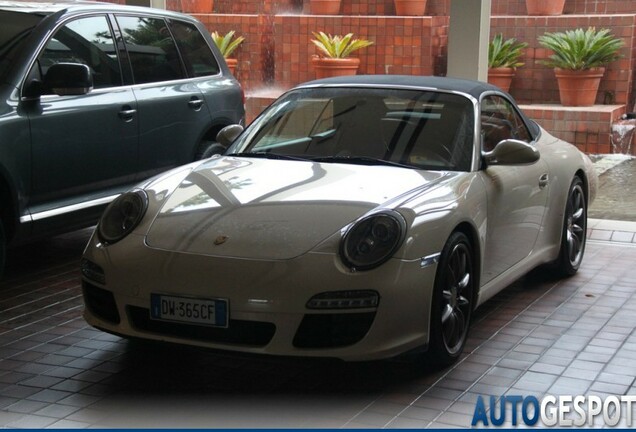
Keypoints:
(208, 149)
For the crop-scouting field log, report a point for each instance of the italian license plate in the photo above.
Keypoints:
(211, 312)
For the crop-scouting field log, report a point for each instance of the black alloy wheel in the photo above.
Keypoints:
(574, 230)
(453, 300)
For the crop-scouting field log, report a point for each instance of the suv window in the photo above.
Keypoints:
(87, 41)
(152, 51)
(198, 58)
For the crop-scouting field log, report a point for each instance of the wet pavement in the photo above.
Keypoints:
(617, 190)
(539, 336)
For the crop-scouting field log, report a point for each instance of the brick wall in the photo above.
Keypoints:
(588, 129)
(255, 55)
(277, 51)
(403, 45)
(252, 7)
(575, 7)
(414, 45)
(535, 83)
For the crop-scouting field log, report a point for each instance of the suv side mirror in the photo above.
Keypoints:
(65, 79)
(228, 134)
(512, 152)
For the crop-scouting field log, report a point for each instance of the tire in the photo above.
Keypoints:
(574, 232)
(453, 301)
(208, 149)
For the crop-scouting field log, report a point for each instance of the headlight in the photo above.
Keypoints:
(122, 216)
(372, 240)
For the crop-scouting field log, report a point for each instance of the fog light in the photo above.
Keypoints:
(344, 300)
(92, 271)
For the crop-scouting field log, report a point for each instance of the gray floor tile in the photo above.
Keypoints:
(574, 336)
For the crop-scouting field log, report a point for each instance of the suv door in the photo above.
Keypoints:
(84, 147)
(172, 112)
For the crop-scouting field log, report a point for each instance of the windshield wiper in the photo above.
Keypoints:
(360, 160)
(357, 160)
(268, 155)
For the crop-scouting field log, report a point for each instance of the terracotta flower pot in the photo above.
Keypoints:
(232, 63)
(330, 67)
(578, 88)
(197, 6)
(325, 7)
(501, 77)
(545, 7)
(410, 7)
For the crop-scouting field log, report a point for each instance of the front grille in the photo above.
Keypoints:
(332, 330)
(100, 302)
(251, 333)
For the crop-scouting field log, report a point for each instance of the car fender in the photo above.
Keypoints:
(432, 217)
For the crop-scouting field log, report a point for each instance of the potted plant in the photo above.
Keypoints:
(503, 59)
(324, 7)
(227, 44)
(334, 59)
(197, 6)
(410, 7)
(545, 7)
(578, 61)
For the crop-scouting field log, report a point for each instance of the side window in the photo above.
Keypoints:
(151, 49)
(500, 121)
(197, 55)
(88, 41)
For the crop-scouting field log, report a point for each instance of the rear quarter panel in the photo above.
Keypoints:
(564, 161)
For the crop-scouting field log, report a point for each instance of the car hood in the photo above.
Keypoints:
(275, 209)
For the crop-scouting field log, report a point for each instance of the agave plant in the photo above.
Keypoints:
(226, 43)
(505, 53)
(338, 46)
(581, 49)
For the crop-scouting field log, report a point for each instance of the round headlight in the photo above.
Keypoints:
(372, 240)
(122, 216)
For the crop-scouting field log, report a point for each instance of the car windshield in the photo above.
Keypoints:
(14, 29)
(413, 128)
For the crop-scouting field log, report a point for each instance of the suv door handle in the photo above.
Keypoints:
(195, 103)
(127, 113)
(543, 180)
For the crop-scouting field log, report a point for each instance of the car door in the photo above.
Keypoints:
(83, 146)
(172, 113)
(517, 194)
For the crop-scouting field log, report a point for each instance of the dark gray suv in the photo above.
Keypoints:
(95, 98)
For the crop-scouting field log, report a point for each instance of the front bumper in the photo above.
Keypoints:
(266, 301)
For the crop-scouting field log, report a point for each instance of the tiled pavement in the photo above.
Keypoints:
(540, 336)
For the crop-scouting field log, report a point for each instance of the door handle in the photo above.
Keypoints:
(543, 180)
(195, 104)
(127, 113)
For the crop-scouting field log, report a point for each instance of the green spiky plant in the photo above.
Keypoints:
(227, 43)
(338, 46)
(505, 53)
(581, 49)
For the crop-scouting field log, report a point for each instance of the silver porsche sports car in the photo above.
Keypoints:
(357, 218)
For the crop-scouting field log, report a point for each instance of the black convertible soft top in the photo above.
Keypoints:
(473, 88)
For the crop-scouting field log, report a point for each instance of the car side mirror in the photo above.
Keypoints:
(67, 79)
(228, 134)
(512, 152)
